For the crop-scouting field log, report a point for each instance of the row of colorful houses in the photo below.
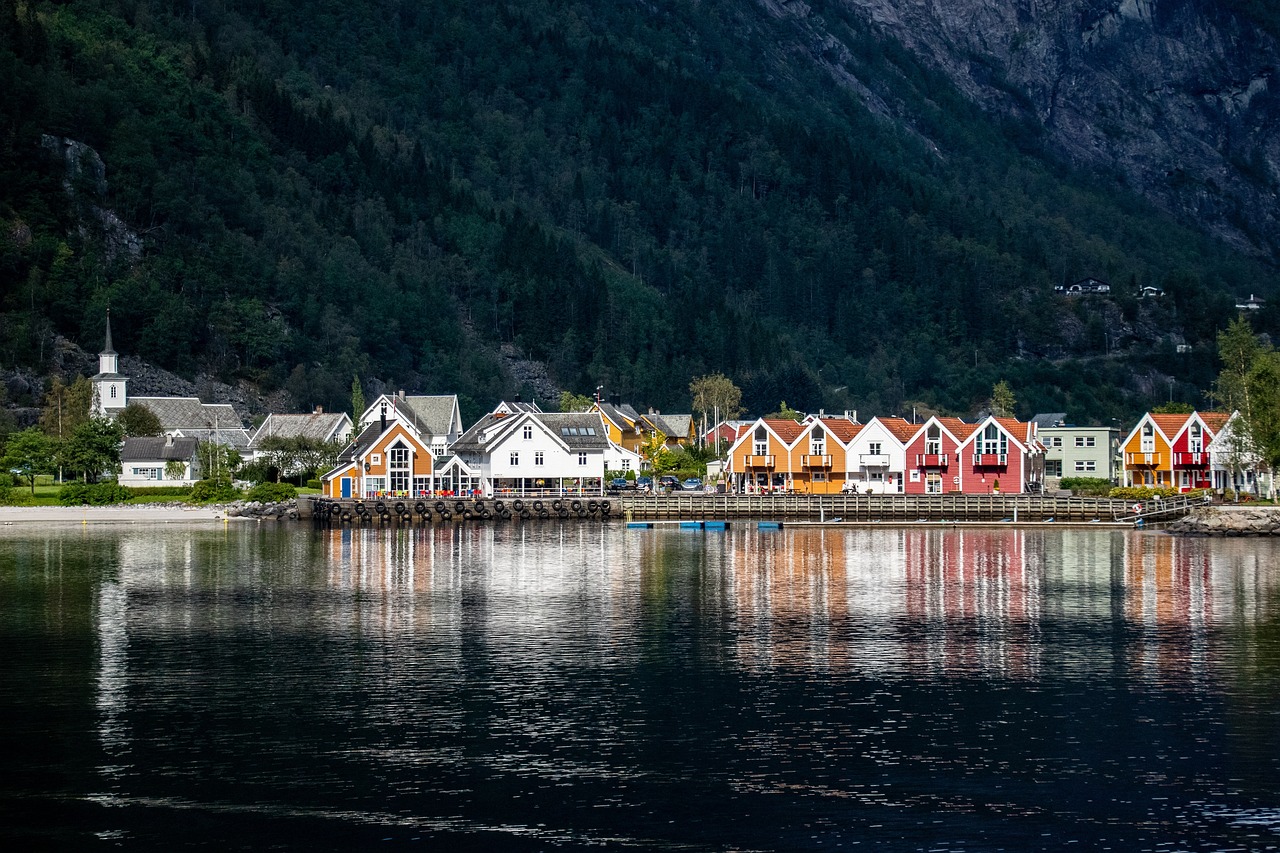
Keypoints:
(887, 455)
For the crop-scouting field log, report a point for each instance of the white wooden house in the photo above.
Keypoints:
(529, 453)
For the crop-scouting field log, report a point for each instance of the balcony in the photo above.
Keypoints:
(759, 461)
(1190, 460)
(990, 460)
(1142, 460)
(811, 461)
(931, 460)
(873, 460)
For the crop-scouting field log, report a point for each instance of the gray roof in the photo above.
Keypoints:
(362, 441)
(675, 426)
(433, 415)
(1049, 419)
(578, 430)
(150, 448)
(620, 415)
(319, 426)
(189, 412)
(234, 437)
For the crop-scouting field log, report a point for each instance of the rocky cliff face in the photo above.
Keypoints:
(1178, 99)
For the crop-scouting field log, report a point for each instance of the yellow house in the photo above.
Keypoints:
(622, 422)
(386, 459)
(680, 430)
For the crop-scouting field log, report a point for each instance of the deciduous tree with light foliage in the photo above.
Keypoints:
(29, 453)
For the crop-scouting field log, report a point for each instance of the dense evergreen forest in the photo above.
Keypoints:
(632, 193)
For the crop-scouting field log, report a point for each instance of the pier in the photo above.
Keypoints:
(699, 506)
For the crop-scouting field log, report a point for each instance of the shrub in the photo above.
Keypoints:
(95, 494)
(219, 489)
(272, 492)
(1143, 493)
(313, 484)
(1087, 486)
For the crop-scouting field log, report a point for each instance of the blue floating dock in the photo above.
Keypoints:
(691, 525)
(715, 525)
(641, 525)
(769, 525)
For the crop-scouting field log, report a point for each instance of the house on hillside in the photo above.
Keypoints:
(1084, 286)
(149, 461)
(532, 453)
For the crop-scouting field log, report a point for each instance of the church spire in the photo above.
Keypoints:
(106, 347)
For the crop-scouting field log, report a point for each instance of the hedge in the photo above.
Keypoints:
(96, 494)
(213, 490)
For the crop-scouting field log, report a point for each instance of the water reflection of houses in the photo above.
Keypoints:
(890, 601)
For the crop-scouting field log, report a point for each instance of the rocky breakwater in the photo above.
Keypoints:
(1229, 521)
(263, 511)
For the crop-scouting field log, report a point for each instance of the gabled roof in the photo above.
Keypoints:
(843, 429)
(1169, 425)
(369, 438)
(235, 438)
(150, 448)
(1049, 419)
(900, 428)
(958, 428)
(319, 426)
(1023, 431)
(622, 416)
(672, 426)
(430, 415)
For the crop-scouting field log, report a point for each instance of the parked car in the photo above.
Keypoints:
(643, 483)
(669, 482)
(693, 484)
(619, 483)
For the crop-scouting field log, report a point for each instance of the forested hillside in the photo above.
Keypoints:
(294, 193)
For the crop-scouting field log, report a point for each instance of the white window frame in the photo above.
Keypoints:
(515, 459)
(539, 458)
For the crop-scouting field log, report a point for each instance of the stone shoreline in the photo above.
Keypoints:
(1229, 521)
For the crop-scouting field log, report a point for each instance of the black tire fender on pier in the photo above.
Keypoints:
(440, 507)
(460, 507)
(576, 506)
(506, 514)
(517, 505)
(538, 506)
(420, 508)
(358, 509)
(380, 508)
(606, 507)
(400, 507)
(593, 507)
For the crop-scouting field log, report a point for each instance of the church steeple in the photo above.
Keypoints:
(107, 359)
(110, 389)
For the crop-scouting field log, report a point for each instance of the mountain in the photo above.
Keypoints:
(845, 204)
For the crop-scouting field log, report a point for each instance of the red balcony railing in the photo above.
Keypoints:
(931, 460)
(990, 460)
(1190, 460)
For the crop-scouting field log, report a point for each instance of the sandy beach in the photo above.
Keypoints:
(123, 514)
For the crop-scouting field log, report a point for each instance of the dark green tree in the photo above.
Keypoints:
(28, 453)
(93, 449)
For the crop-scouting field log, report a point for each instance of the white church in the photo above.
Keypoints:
(184, 421)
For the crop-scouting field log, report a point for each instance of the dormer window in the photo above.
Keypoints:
(933, 441)
(817, 442)
(761, 441)
(1196, 442)
(1148, 438)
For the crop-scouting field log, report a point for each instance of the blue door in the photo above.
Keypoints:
(346, 487)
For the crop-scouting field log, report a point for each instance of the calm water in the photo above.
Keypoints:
(542, 687)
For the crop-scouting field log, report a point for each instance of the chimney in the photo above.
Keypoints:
(319, 410)
(168, 440)
(615, 400)
(517, 396)
(400, 393)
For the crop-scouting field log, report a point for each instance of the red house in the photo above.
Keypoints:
(933, 464)
(1190, 450)
(1001, 455)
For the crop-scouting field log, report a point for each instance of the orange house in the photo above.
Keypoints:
(1171, 450)
(777, 454)
(818, 458)
(386, 459)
